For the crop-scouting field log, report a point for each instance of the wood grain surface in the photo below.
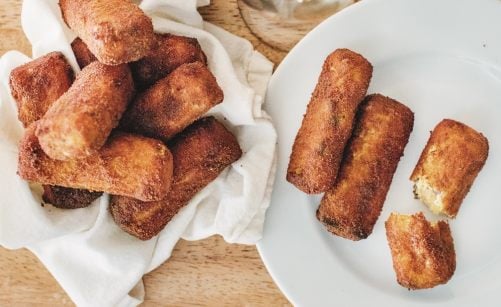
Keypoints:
(205, 272)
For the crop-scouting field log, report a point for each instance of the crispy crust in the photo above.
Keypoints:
(328, 122)
(351, 208)
(82, 53)
(127, 164)
(173, 102)
(201, 152)
(68, 198)
(423, 252)
(169, 52)
(79, 122)
(450, 162)
(37, 84)
(116, 31)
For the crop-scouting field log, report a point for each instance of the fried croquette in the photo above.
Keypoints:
(328, 122)
(82, 53)
(68, 198)
(448, 166)
(79, 122)
(129, 165)
(351, 208)
(423, 252)
(37, 84)
(173, 103)
(115, 31)
(201, 152)
(169, 52)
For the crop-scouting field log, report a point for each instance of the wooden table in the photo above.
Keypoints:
(206, 272)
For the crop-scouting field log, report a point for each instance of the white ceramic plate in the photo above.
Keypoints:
(442, 58)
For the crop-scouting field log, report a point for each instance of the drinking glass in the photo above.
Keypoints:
(282, 23)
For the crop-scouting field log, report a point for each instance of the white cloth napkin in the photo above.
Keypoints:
(95, 262)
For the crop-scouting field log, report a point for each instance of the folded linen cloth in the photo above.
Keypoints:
(95, 262)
